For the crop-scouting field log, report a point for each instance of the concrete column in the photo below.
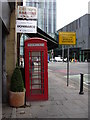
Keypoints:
(0, 68)
(74, 56)
(11, 49)
(83, 56)
(4, 82)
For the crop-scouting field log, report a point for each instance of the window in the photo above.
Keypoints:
(76, 24)
(79, 22)
(89, 31)
(21, 53)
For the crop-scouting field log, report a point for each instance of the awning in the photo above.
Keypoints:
(51, 42)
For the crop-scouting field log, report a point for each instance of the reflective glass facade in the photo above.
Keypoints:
(46, 14)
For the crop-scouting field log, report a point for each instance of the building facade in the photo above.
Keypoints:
(82, 28)
(6, 11)
(46, 14)
(8, 46)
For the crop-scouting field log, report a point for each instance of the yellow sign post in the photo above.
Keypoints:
(67, 38)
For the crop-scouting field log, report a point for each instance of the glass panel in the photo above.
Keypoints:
(36, 69)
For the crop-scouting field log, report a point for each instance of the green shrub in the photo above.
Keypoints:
(23, 74)
(17, 84)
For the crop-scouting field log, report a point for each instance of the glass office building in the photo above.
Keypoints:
(46, 14)
(46, 21)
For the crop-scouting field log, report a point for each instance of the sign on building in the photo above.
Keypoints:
(25, 12)
(26, 26)
(67, 38)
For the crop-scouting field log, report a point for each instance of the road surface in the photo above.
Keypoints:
(75, 68)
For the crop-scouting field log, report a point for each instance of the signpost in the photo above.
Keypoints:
(25, 12)
(26, 26)
(67, 38)
(26, 19)
(68, 68)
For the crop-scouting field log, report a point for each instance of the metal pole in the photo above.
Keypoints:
(68, 68)
(63, 52)
(81, 84)
(74, 57)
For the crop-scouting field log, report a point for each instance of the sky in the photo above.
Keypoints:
(70, 10)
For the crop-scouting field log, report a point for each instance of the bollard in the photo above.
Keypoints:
(81, 85)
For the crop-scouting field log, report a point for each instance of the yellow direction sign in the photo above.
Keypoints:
(67, 38)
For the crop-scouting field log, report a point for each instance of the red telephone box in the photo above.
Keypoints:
(36, 69)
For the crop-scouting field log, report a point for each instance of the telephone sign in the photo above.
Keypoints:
(35, 45)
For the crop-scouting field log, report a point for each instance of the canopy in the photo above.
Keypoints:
(51, 42)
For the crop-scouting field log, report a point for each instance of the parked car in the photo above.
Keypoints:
(58, 59)
(65, 59)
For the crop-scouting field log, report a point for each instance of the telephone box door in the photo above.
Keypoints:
(36, 71)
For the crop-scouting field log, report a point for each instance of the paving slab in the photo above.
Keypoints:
(6, 111)
(63, 102)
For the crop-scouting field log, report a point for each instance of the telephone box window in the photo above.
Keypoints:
(36, 72)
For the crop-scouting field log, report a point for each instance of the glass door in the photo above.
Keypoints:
(36, 72)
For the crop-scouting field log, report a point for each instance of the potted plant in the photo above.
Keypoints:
(17, 91)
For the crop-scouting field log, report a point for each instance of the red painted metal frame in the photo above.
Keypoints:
(42, 49)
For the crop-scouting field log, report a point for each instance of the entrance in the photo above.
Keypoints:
(36, 70)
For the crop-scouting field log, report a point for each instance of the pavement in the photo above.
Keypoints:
(63, 102)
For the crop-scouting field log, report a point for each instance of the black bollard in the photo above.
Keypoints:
(81, 85)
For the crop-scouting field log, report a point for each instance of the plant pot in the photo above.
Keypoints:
(16, 99)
